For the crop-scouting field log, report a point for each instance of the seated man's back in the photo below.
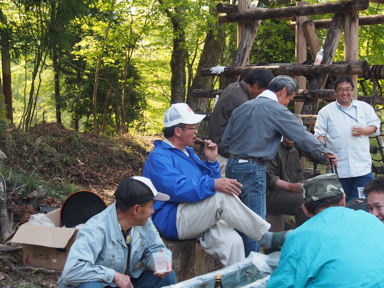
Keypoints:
(337, 247)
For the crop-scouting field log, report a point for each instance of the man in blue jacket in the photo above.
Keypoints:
(202, 205)
(110, 245)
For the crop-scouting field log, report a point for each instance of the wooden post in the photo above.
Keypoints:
(300, 52)
(351, 42)
(242, 54)
(330, 45)
(311, 37)
(242, 6)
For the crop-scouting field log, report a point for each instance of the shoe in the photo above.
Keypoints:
(278, 239)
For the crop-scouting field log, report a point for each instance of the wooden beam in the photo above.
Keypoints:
(226, 8)
(300, 52)
(243, 50)
(330, 46)
(351, 42)
(294, 11)
(230, 8)
(363, 21)
(311, 37)
(291, 70)
(300, 95)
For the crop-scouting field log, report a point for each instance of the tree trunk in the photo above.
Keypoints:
(211, 54)
(57, 84)
(6, 65)
(97, 74)
(178, 60)
(4, 222)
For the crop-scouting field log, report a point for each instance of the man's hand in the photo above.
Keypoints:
(360, 131)
(164, 273)
(122, 281)
(293, 187)
(229, 186)
(210, 150)
(332, 158)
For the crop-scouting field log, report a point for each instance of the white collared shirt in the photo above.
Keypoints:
(269, 94)
(335, 122)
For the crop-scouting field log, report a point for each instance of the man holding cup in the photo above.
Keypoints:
(110, 244)
(345, 126)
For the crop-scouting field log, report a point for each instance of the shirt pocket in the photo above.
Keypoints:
(113, 258)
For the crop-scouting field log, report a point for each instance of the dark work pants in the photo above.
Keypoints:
(282, 201)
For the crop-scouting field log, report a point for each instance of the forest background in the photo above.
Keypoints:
(113, 67)
(126, 61)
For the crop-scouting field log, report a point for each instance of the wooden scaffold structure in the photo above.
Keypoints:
(345, 18)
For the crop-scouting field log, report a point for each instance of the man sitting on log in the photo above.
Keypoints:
(284, 176)
(253, 136)
(337, 247)
(232, 97)
(110, 245)
(344, 126)
(374, 192)
(202, 205)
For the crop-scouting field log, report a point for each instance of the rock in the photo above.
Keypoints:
(39, 192)
(2, 156)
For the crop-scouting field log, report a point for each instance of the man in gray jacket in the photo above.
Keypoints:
(110, 245)
(253, 136)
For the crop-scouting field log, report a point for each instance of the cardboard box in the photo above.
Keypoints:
(45, 247)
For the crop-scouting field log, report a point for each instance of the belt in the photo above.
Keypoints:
(247, 159)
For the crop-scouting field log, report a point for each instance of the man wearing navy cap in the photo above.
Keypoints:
(110, 245)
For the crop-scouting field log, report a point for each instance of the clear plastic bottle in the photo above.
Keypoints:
(215, 101)
(319, 57)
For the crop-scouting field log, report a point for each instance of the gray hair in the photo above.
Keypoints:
(281, 81)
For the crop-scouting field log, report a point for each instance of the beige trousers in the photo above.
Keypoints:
(214, 220)
(223, 163)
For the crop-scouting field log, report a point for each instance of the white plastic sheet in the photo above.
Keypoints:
(252, 272)
(40, 220)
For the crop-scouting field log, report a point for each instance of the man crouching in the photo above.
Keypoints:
(109, 246)
(336, 247)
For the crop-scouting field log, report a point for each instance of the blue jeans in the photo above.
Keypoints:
(350, 184)
(253, 177)
(146, 280)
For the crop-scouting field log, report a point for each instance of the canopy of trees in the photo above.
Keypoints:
(112, 66)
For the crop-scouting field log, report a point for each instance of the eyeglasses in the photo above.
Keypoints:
(339, 90)
(190, 128)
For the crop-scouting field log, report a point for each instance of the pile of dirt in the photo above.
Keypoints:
(59, 156)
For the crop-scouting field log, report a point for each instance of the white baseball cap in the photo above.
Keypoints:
(181, 113)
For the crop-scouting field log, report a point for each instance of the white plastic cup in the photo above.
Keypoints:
(160, 261)
(360, 192)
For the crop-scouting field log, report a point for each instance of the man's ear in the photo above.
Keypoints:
(306, 211)
(343, 201)
(177, 131)
(136, 209)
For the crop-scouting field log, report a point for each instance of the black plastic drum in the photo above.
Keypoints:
(79, 207)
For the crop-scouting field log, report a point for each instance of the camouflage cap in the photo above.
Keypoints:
(321, 187)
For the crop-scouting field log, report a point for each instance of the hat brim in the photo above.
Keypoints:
(195, 119)
(161, 197)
